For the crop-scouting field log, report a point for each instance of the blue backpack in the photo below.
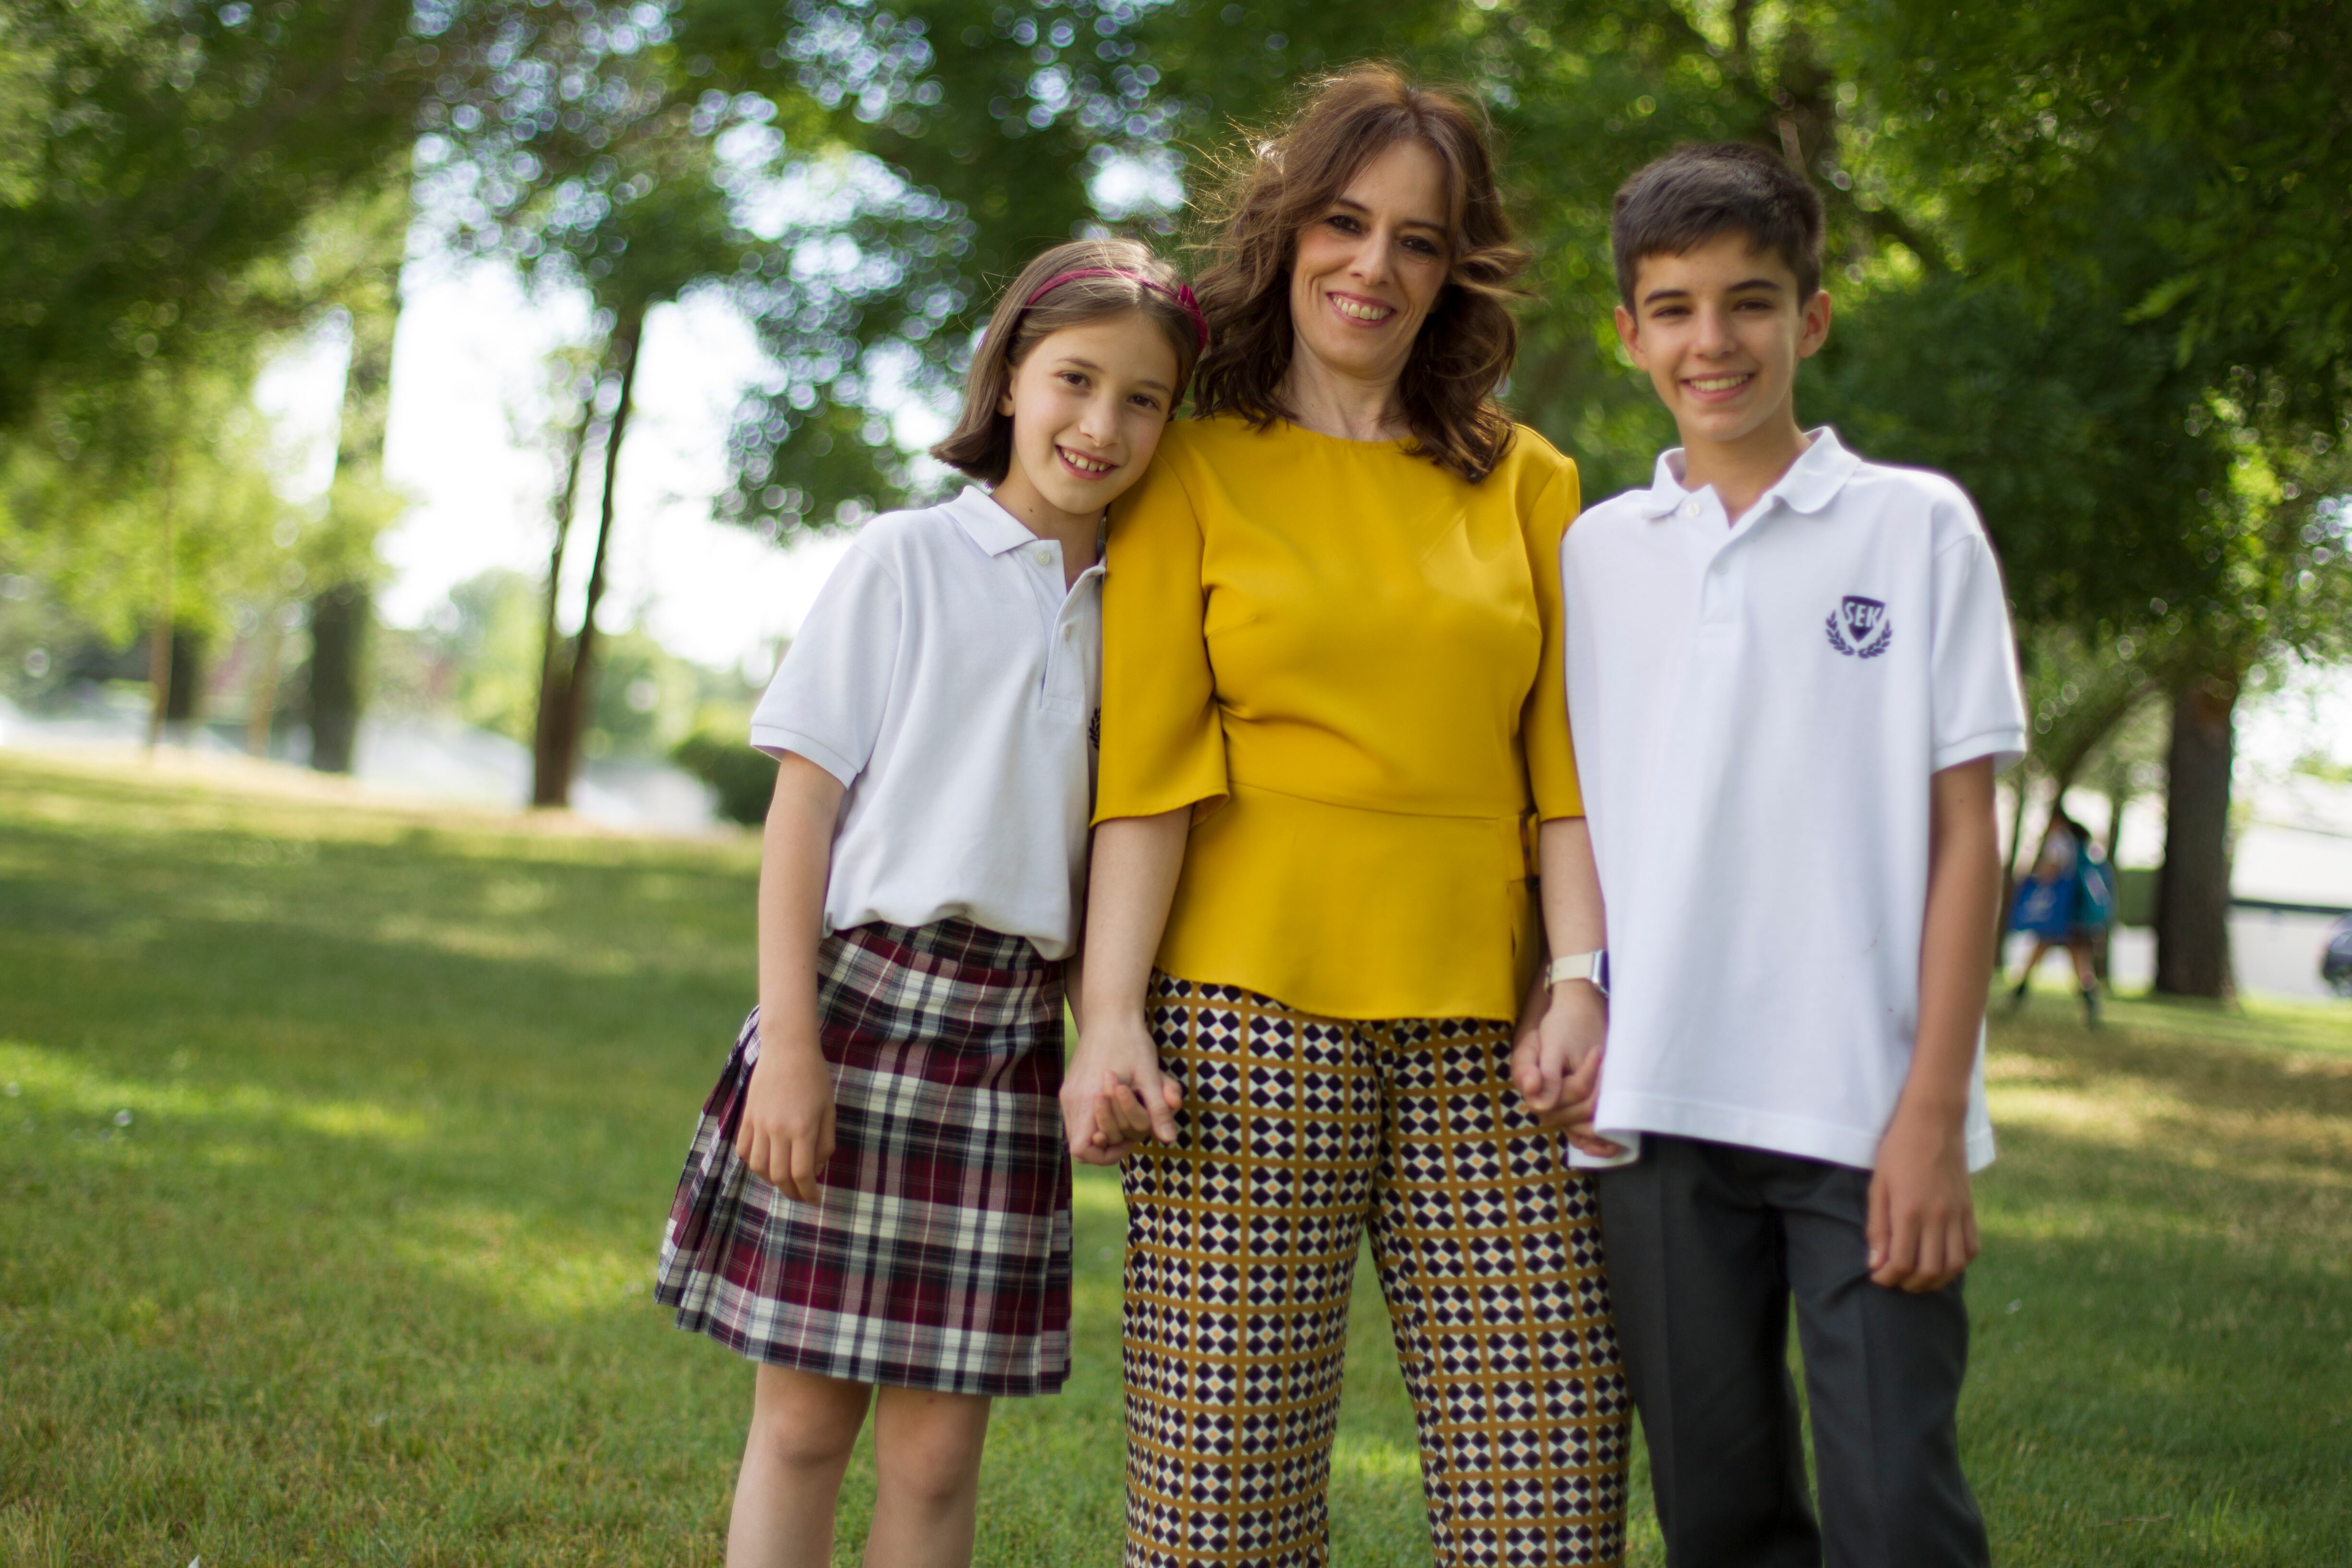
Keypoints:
(2095, 892)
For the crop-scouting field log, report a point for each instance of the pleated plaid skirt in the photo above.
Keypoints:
(938, 1253)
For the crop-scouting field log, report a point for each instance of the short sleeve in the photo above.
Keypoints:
(827, 698)
(1980, 710)
(1162, 744)
(1543, 723)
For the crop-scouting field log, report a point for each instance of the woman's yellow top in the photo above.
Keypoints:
(1348, 661)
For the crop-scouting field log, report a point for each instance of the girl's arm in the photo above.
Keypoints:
(1112, 1092)
(787, 1129)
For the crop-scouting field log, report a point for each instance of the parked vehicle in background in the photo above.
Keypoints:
(2336, 958)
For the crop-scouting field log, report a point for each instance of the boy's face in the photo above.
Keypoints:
(1720, 329)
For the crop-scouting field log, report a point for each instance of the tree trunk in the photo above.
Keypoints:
(2192, 898)
(261, 699)
(159, 634)
(342, 611)
(183, 700)
(339, 623)
(550, 784)
(571, 711)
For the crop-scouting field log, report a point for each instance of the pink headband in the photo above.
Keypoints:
(1182, 293)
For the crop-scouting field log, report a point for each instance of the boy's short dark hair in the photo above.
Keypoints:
(1702, 189)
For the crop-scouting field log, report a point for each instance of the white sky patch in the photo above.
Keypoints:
(467, 440)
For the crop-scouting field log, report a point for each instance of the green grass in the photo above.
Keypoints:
(363, 1278)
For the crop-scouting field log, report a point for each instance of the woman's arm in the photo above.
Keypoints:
(1112, 1091)
(787, 1129)
(1557, 1061)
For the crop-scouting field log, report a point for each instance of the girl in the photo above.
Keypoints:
(877, 1198)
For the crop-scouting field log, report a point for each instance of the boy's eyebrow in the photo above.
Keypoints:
(1077, 362)
(1354, 206)
(1654, 295)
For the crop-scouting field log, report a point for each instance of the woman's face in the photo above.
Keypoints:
(1371, 265)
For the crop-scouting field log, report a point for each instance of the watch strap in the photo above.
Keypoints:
(1589, 966)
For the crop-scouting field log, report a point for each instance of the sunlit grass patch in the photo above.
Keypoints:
(364, 1276)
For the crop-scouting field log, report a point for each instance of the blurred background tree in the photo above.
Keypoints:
(2089, 262)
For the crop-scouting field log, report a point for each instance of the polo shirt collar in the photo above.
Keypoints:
(987, 524)
(1812, 482)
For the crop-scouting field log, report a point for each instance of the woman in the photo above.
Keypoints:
(1332, 709)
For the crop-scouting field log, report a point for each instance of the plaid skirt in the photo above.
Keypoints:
(937, 1253)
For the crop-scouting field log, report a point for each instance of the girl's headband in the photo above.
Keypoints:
(1182, 293)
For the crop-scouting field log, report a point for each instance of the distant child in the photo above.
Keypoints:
(1790, 680)
(2067, 900)
(878, 1197)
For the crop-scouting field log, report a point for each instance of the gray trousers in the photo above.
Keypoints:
(1707, 1243)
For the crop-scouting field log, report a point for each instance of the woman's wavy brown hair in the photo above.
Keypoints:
(1465, 347)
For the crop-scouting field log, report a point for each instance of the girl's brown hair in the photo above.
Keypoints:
(1119, 275)
(1446, 390)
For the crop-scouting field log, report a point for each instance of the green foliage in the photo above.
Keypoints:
(158, 166)
(744, 778)
(96, 539)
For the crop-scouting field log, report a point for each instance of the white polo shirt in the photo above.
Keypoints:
(949, 683)
(1757, 713)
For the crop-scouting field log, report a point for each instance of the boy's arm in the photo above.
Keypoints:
(1922, 1224)
(787, 1128)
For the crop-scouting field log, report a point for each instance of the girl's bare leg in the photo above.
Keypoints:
(803, 1428)
(927, 1484)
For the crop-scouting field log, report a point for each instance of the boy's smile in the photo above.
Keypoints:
(1720, 329)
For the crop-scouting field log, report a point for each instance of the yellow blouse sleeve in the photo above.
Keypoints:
(1162, 745)
(1543, 723)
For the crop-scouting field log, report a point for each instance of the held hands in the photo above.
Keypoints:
(1555, 1060)
(1923, 1223)
(1113, 1095)
(787, 1131)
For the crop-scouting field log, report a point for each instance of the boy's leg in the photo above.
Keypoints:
(927, 1450)
(1700, 1285)
(803, 1427)
(1882, 1371)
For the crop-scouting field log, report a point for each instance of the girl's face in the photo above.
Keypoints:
(1369, 269)
(1088, 407)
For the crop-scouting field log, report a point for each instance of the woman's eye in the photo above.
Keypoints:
(1343, 223)
(1421, 247)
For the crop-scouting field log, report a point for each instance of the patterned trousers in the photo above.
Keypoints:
(1296, 1131)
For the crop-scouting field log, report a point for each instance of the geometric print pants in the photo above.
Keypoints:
(1297, 1132)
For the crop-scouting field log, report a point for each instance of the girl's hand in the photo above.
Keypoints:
(1114, 1094)
(787, 1131)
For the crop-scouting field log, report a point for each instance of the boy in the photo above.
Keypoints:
(1790, 680)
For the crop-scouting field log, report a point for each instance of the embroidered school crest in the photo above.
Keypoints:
(1859, 628)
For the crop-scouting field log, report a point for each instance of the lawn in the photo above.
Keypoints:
(337, 1138)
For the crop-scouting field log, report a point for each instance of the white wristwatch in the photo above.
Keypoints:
(1592, 967)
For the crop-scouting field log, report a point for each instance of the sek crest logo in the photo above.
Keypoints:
(1859, 628)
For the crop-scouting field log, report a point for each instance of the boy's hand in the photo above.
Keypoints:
(786, 1136)
(1923, 1223)
(1113, 1095)
(1555, 1061)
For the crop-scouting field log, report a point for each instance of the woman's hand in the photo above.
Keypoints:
(1113, 1095)
(1555, 1061)
(786, 1136)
